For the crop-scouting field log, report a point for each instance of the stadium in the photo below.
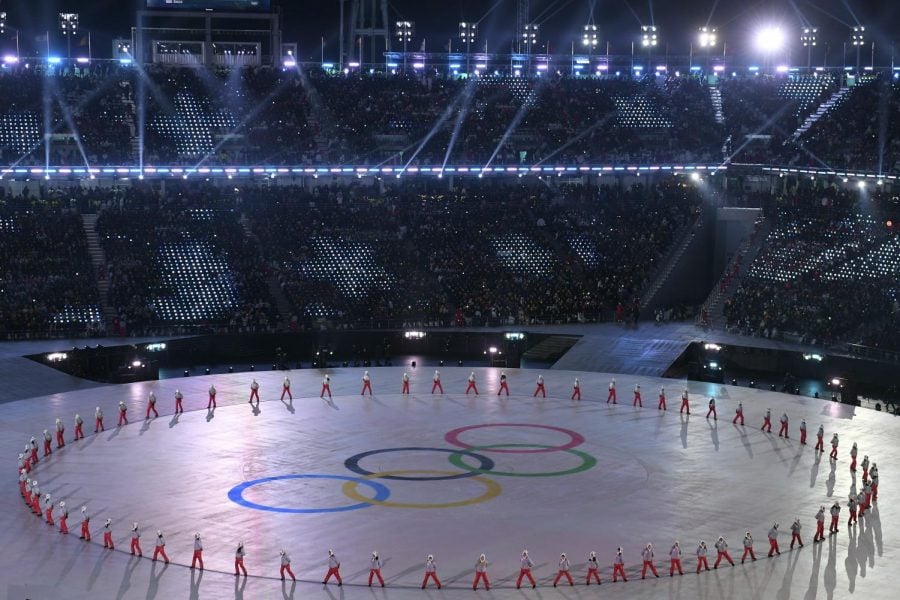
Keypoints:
(472, 284)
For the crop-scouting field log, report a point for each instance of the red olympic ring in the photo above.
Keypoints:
(452, 437)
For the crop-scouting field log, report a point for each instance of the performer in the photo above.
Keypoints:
(576, 390)
(178, 406)
(23, 478)
(36, 498)
(79, 427)
(712, 409)
(593, 569)
(151, 406)
(481, 573)
(211, 404)
(367, 384)
(675, 559)
(820, 526)
(136, 541)
(835, 515)
(107, 535)
(34, 451)
(767, 421)
(685, 406)
(28, 495)
(431, 567)
(286, 565)
(867, 491)
(160, 547)
(405, 389)
(47, 439)
(60, 430)
(865, 466)
(48, 509)
(739, 414)
(611, 397)
(85, 525)
(471, 385)
(540, 387)
(375, 568)
(662, 398)
(254, 393)
(123, 414)
(326, 387)
(783, 430)
(722, 552)
(63, 518)
(820, 436)
(619, 566)
(748, 548)
(860, 505)
(834, 447)
(702, 552)
(198, 551)
(803, 431)
(437, 383)
(853, 452)
(503, 384)
(239, 553)
(563, 570)
(286, 389)
(637, 396)
(874, 479)
(334, 566)
(795, 533)
(773, 541)
(647, 555)
(525, 570)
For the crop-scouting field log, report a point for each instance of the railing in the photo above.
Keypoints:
(873, 353)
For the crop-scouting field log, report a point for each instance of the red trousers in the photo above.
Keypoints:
(471, 387)
(637, 400)
(287, 390)
(375, 573)
(593, 573)
(865, 473)
(833, 453)
(28, 498)
(783, 430)
(684, 406)
(433, 576)
(619, 570)
(239, 562)
(198, 556)
(405, 389)
(36, 504)
(540, 388)
(153, 408)
(22, 488)
(437, 386)
(820, 531)
(367, 385)
(60, 441)
(254, 394)
(85, 531)
(561, 574)
(648, 564)
(63, 526)
(803, 436)
(852, 518)
(576, 394)
(333, 571)
(503, 387)
(178, 407)
(853, 464)
(738, 416)
(79, 432)
(875, 492)
(34, 456)
(724, 555)
(819, 444)
(795, 538)
(611, 396)
(325, 388)
(212, 402)
(662, 402)
(47, 449)
(481, 577)
(767, 425)
(123, 418)
(160, 550)
(107, 540)
(136, 546)
(523, 573)
(49, 514)
(675, 563)
(834, 524)
(750, 552)
(702, 562)
(289, 572)
(712, 411)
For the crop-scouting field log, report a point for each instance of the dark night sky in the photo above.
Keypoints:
(560, 20)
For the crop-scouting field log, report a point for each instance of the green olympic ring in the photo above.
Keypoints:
(587, 461)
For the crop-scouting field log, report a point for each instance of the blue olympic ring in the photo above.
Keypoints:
(486, 464)
(236, 494)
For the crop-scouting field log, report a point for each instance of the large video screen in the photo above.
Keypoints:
(224, 5)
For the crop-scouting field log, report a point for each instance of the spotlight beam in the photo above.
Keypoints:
(468, 93)
(67, 116)
(598, 123)
(520, 114)
(434, 129)
(835, 17)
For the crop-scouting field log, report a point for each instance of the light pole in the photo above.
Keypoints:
(649, 40)
(809, 38)
(404, 34)
(467, 34)
(708, 38)
(858, 38)
(68, 24)
(589, 40)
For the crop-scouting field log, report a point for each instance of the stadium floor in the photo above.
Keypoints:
(624, 477)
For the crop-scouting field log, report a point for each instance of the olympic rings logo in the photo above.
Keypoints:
(462, 457)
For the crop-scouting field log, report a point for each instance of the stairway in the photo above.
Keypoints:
(836, 98)
(668, 262)
(551, 349)
(715, 95)
(281, 302)
(98, 260)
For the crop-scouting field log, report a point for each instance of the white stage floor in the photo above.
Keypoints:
(637, 476)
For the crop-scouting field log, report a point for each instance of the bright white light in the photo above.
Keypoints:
(862, 185)
(493, 349)
(514, 336)
(770, 39)
(10, 59)
(290, 63)
(713, 365)
(695, 176)
(135, 363)
(414, 335)
(835, 381)
(714, 347)
(54, 60)
(82, 60)
(57, 356)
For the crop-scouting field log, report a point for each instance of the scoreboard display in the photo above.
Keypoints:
(221, 5)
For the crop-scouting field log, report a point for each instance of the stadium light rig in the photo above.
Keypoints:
(770, 39)
(590, 38)
(648, 36)
(808, 36)
(707, 38)
(859, 35)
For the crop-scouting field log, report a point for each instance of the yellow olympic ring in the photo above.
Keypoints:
(492, 490)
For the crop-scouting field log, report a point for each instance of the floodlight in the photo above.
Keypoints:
(770, 39)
